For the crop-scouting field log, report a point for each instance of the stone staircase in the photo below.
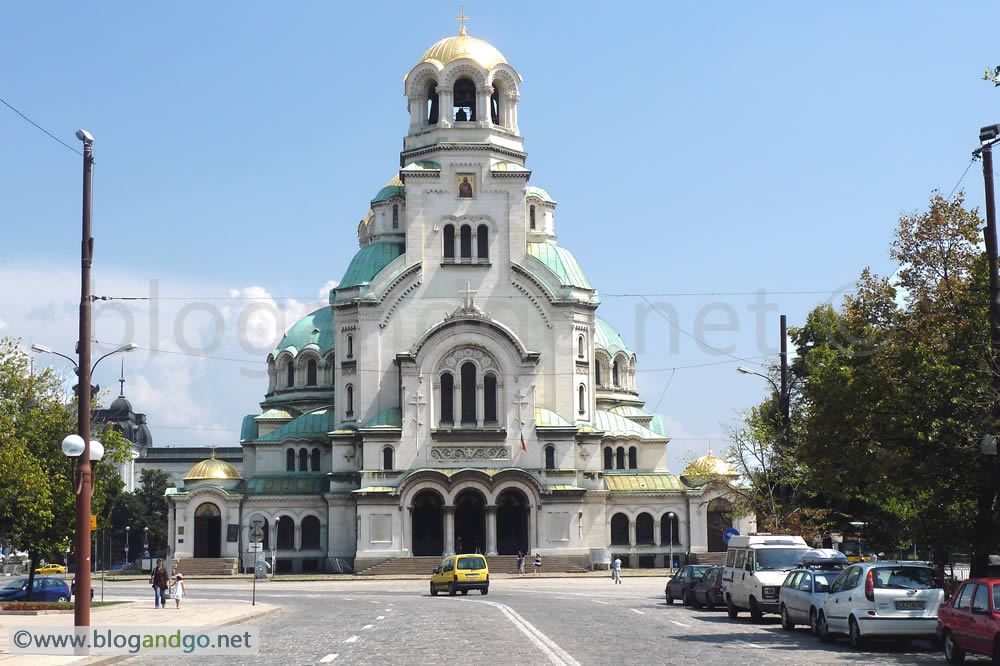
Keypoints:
(423, 566)
(714, 559)
(206, 566)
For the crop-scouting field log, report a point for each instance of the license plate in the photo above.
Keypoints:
(909, 605)
(477, 576)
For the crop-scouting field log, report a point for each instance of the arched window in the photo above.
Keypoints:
(609, 458)
(432, 104)
(633, 458)
(387, 458)
(350, 400)
(620, 458)
(465, 100)
(483, 242)
(286, 533)
(311, 373)
(490, 398)
(597, 373)
(303, 460)
(395, 216)
(644, 529)
(669, 529)
(582, 399)
(447, 398)
(495, 105)
(315, 460)
(350, 346)
(619, 530)
(531, 216)
(468, 393)
(550, 457)
(290, 374)
(310, 533)
(449, 241)
(616, 375)
(290, 460)
(579, 347)
(465, 241)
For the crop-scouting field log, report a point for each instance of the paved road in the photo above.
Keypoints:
(522, 621)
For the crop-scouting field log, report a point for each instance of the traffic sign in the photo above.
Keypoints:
(729, 534)
(257, 535)
(93, 523)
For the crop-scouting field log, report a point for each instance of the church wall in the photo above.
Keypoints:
(341, 526)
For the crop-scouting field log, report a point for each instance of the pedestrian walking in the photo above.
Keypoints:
(458, 545)
(179, 590)
(160, 580)
(520, 563)
(616, 571)
(538, 562)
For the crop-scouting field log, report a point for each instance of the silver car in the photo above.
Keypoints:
(801, 594)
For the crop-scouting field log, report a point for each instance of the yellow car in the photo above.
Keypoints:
(461, 573)
(51, 569)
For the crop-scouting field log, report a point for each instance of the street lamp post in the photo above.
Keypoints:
(128, 528)
(670, 528)
(255, 539)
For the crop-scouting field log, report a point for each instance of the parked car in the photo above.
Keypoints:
(804, 588)
(45, 588)
(708, 590)
(461, 573)
(881, 599)
(681, 585)
(51, 569)
(970, 622)
(756, 566)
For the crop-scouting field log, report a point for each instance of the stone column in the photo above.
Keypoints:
(298, 536)
(484, 109)
(532, 529)
(480, 400)
(445, 107)
(657, 532)
(449, 529)
(456, 395)
(491, 529)
(416, 117)
(631, 532)
(404, 530)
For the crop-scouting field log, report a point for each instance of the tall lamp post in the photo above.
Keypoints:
(128, 528)
(670, 528)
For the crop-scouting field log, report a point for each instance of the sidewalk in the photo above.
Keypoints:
(191, 614)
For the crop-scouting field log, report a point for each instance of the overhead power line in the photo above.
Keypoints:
(50, 134)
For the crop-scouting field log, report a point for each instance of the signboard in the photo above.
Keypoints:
(93, 523)
(255, 547)
(729, 534)
(256, 535)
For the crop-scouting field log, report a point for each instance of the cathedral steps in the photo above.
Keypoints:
(714, 559)
(423, 566)
(206, 566)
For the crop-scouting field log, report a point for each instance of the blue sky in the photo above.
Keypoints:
(699, 154)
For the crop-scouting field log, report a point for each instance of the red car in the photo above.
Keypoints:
(970, 621)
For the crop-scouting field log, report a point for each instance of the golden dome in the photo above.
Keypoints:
(212, 470)
(463, 46)
(709, 465)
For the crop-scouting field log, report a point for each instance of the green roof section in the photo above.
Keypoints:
(422, 165)
(619, 426)
(288, 484)
(388, 192)
(248, 431)
(387, 418)
(640, 483)
(316, 328)
(366, 264)
(311, 425)
(608, 339)
(656, 425)
(561, 263)
(547, 418)
(632, 412)
(532, 191)
(279, 413)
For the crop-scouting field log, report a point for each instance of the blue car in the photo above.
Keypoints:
(45, 588)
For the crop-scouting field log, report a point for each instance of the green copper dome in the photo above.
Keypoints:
(367, 263)
(532, 191)
(315, 328)
(561, 263)
(608, 339)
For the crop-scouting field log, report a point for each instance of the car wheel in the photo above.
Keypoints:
(756, 614)
(464, 592)
(786, 622)
(952, 653)
(434, 592)
(824, 629)
(484, 591)
(813, 624)
(854, 636)
(686, 600)
(451, 589)
(731, 609)
(63, 598)
(670, 599)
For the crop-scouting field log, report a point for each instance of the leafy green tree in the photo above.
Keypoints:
(992, 75)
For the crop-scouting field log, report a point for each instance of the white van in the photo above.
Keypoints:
(756, 566)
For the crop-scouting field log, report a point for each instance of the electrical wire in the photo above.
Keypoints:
(50, 134)
(971, 161)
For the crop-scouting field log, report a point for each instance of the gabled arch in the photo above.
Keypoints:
(464, 68)
(481, 325)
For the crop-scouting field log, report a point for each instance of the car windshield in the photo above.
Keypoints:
(15, 584)
(698, 572)
(779, 558)
(472, 563)
(904, 577)
(824, 580)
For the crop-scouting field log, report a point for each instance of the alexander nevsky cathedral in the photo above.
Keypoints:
(460, 392)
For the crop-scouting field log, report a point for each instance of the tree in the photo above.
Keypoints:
(146, 507)
(992, 75)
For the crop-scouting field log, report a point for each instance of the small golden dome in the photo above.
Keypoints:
(212, 469)
(463, 46)
(709, 465)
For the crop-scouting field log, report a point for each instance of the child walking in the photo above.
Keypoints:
(179, 589)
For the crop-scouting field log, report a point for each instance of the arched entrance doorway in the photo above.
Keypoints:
(207, 531)
(470, 522)
(512, 522)
(427, 524)
(717, 524)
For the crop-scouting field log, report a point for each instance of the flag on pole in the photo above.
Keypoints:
(524, 446)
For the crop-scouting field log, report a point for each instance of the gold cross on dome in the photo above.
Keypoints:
(462, 17)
